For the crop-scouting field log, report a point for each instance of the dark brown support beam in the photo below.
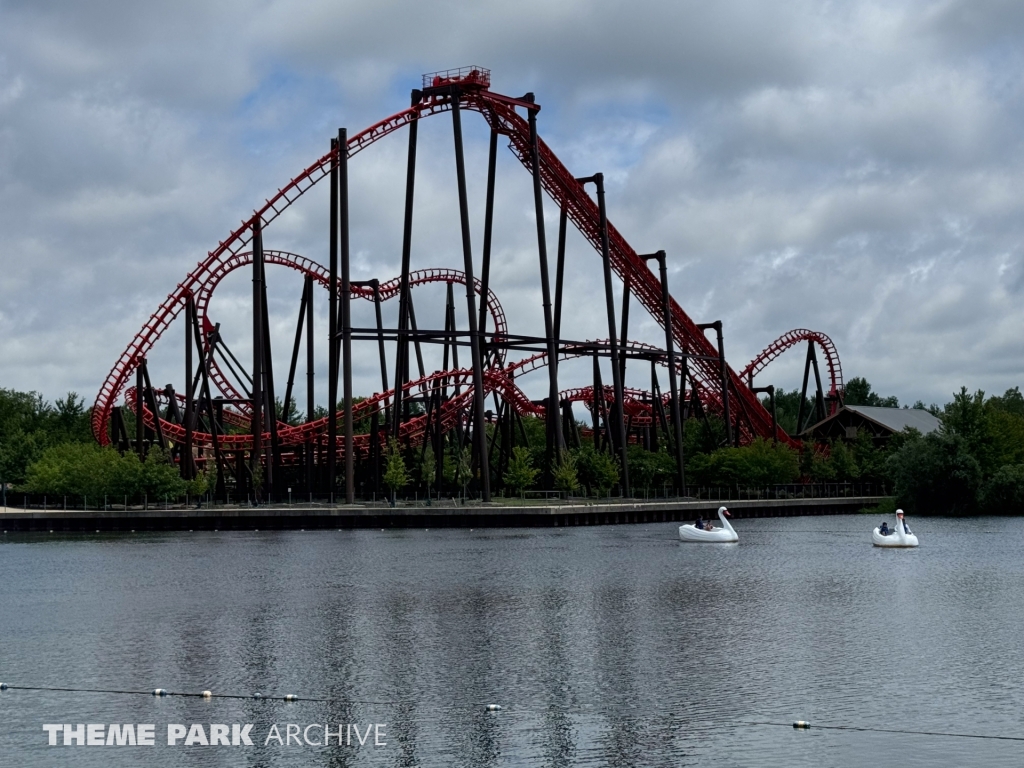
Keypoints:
(257, 349)
(479, 433)
(152, 405)
(624, 334)
(375, 284)
(416, 338)
(485, 269)
(346, 313)
(273, 472)
(140, 447)
(618, 427)
(205, 397)
(187, 466)
(597, 401)
(770, 390)
(309, 453)
(287, 404)
(560, 274)
(674, 391)
(402, 342)
(803, 390)
(332, 333)
(553, 418)
(723, 373)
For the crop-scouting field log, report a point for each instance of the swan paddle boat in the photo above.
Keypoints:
(723, 535)
(900, 536)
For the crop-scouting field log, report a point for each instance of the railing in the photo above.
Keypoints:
(39, 502)
(792, 491)
(478, 76)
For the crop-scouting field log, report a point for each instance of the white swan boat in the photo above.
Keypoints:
(900, 536)
(723, 535)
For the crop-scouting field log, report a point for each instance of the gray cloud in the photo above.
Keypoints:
(849, 167)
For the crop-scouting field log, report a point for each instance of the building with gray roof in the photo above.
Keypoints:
(881, 423)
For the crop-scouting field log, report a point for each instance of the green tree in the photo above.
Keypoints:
(71, 469)
(787, 408)
(649, 469)
(29, 425)
(521, 473)
(836, 464)
(565, 476)
(753, 466)
(857, 391)
(395, 474)
(936, 475)
(1004, 424)
(428, 468)
(700, 436)
(1003, 494)
(1011, 401)
(596, 470)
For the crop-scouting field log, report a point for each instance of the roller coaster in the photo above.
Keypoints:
(226, 423)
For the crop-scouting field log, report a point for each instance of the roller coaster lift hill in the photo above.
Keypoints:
(226, 421)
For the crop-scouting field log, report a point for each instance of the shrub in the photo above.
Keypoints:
(521, 473)
(1003, 494)
(565, 476)
(936, 475)
(395, 474)
(596, 470)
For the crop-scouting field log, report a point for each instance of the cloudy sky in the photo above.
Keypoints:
(851, 167)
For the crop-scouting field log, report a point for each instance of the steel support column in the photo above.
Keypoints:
(375, 284)
(346, 313)
(485, 268)
(332, 332)
(677, 421)
(618, 429)
(186, 456)
(309, 453)
(479, 433)
(257, 349)
(402, 344)
(139, 424)
(723, 372)
(552, 416)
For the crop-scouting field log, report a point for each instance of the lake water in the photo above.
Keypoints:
(605, 646)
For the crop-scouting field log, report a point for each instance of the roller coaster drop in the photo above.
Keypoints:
(225, 421)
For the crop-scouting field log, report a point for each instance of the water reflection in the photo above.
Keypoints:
(610, 646)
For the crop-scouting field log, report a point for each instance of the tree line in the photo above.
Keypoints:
(973, 463)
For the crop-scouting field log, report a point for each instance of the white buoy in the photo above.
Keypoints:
(3, 686)
(257, 695)
(207, 694)
(494, 707)
(801, 724)
(159, 692)
(291, 697)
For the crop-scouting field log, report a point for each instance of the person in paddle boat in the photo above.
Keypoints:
(703, 530)
(899, 535)
(900, 520)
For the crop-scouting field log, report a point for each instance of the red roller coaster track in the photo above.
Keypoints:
(500, 113)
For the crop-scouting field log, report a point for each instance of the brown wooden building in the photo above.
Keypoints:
(881, 423)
